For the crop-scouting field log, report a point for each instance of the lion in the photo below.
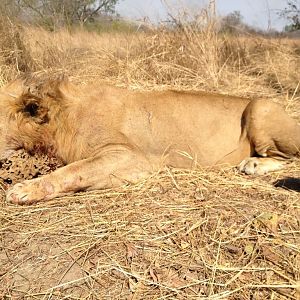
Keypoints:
(108, 136)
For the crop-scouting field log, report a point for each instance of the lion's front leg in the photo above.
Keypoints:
(113, 168)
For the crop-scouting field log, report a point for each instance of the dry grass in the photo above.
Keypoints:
(181, 60)
(180, 235)
(205, 234)
(186, 59)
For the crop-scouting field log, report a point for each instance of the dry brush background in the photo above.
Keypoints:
(200, 234)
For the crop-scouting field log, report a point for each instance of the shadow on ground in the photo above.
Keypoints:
(289, 183)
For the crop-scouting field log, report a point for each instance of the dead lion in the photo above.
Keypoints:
(108, 136)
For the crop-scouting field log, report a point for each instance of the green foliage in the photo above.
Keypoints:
(57, 13)
(292, 14)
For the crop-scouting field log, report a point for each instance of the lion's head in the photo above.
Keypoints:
(28, 109)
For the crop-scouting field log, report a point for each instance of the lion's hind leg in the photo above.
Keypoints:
(274, 137)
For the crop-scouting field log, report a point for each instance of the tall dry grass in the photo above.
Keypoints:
(189, 58)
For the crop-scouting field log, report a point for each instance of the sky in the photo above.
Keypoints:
(258, 13)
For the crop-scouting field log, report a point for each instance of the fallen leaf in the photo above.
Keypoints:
(249, 248)
(153, 275)
(132, 284)
(233, 249)
(270, 255)
(184, 245)
(191, 277)
(131, 252)
(170, 277)
(270, 221)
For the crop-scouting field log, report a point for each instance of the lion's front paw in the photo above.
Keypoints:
(259, 165)
(17, 194)
(29, 191)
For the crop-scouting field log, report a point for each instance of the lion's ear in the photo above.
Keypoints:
(34, 110)
(55, 87)
(15, 88)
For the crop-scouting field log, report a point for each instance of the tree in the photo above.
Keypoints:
(9, 8)
(233, 22)
(67, 12)
(292, 14)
